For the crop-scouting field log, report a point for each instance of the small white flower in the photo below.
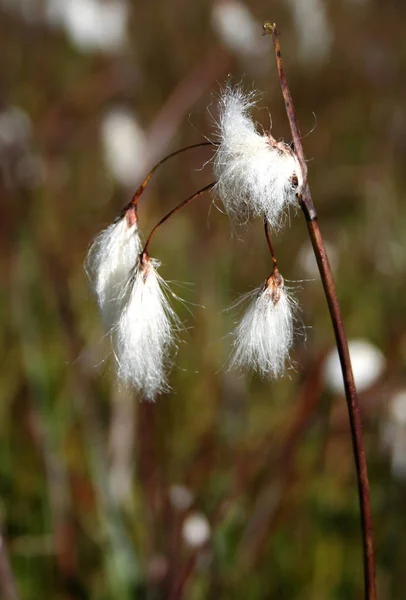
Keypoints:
(109, 262)
(145, 331)
(264, 337)
(256, 174)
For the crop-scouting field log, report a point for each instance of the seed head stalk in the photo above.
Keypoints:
(269, 242)
(137, 194)
(310, 214)
(182, 204)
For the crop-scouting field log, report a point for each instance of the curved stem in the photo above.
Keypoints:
(137, 194)
(308, 208)
(206, 188)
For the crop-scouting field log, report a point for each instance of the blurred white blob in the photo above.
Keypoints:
(368, 364)
(29, 10)
(315, 35)
(15, 127)
(124, 146)
(196, 530)
(307, 261)
(238, 29)
(19, 164)
(398, 408)
(30, 170)
(91, 25)
(180, 497)
(393, 434)
(55, 11)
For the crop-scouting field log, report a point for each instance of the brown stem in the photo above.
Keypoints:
(306, 203)
(268, 239)
(137, 194)
(206, 188)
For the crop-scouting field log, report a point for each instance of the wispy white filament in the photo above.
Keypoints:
(109, 262)
(145, 331)
(264, 336)
(256, 174)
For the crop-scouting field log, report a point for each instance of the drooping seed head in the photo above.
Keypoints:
(109, 262)
(256, 174)
(146, 331)
(264, 336)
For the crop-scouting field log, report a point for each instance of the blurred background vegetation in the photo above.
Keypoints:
(229, 487)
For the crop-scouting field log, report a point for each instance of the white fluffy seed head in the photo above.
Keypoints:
(256, 174)
(110, 259)
(264, 336)
(146, 331)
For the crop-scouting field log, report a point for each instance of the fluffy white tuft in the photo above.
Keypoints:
(145, 331)
(264, 337)
(111, 257)
(255, 174)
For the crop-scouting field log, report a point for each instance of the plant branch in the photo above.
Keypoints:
(139, 191)
(306, 203)
(206, 188)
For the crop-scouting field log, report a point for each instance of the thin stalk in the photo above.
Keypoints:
(269, 242)
(139, 191)
(308, 208)
(206, 188)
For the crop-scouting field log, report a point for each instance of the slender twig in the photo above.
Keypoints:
(309, 211)
(206, 188)
(139, 191)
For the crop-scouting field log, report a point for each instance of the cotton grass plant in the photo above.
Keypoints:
(256, 175)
